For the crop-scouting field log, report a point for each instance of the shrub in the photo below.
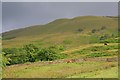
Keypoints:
(106, 36)
(67, 41)
(110, 41)
(57, 47)
(31, 53)
(103, 27)
(94, 30)
(9, 51)
(80, 30)
(47, 55)
(5, 60)
(31, 48)
(94, 49)
(98, 54)
(61, 48)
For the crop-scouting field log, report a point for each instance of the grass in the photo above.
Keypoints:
(0, 58)
(96, 50)
(66, 29)
(64, 70)
(86, 69)
(55, 70)
(64, 32)
(105, 73)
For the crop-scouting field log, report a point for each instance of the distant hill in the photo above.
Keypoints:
(62, 29)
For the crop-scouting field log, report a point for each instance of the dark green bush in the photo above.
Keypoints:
(80, 30)
(94, 30)
(103, 27)
(32, 53)
(48, 55)
(111, 40)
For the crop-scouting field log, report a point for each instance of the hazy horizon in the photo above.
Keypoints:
(24, 14)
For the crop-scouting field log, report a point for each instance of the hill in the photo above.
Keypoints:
(61, 31)
(81, 47)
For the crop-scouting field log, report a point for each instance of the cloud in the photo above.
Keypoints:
(23, 14)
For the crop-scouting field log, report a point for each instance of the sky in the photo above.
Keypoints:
(60, 0)
(0, 17)
(24, 14)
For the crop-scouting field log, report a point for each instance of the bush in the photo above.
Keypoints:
(103, 27)
(67, 41)
(106, 36)
(61, 48)
(94, 49)
(98, 54)
(31, 53)
(80, 30)
(94, 31)
(48, 55)
(30, 48)
(5, 60)
(57, 47)
(9, 51)
(110, 41)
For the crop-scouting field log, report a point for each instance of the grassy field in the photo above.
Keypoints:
(105, 73)
(86, 69)
(80, 38)
(62, 70)
(0, 66)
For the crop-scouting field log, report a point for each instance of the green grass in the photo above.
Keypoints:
(36, 70)
(105, 73)
(0, 66)
(97, 51)
(66, 70)
(75, 44)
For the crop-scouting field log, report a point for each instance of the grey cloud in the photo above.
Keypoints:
(23, 14)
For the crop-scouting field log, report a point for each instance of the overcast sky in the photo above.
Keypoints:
(0, 10)
(23, 14)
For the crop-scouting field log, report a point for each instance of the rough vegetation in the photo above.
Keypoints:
(64, 48)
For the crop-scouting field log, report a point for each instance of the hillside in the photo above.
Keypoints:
(81, 47)
(96, 66)
(61, 30)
